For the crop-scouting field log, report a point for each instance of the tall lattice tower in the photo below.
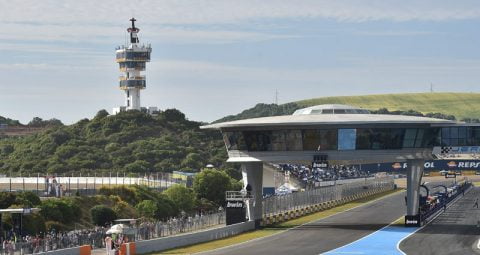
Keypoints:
(132, 60)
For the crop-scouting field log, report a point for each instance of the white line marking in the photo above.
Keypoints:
(257, 239)
(454, 201)
(357, 240)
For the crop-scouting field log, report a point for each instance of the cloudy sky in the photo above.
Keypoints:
(214, 58)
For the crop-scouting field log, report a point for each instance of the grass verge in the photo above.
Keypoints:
(271, 230)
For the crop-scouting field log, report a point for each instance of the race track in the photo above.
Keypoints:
(454, 232)
(326, 234)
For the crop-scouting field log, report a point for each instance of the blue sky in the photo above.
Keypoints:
(215, 58)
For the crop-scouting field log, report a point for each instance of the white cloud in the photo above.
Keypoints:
(232, 11)
(203, 20)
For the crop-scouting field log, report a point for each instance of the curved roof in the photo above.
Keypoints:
(331, 109)
(327, 119)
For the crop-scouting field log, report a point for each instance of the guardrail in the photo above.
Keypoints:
(429, 215)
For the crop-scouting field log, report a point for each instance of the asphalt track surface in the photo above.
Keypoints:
(453, 232)
(325, 234)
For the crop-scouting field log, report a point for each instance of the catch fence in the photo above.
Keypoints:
(284, 203)
(64, 185)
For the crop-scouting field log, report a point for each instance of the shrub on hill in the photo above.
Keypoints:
(102, 215)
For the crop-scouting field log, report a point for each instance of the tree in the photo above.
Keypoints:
(61, 210)
(102, 215)
(183, 197)
(7, 199)
(147, 209)
(173, 115)
(28, 199)
(101, 114)
(36, 122)
(165, 208)
(139, 166)
(193, 160)
(212, 185)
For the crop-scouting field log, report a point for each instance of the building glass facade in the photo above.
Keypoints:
(350, 139)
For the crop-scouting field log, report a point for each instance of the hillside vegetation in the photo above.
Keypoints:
(461, 105)
(132, 142)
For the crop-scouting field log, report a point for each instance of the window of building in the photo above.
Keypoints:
(234, 141)
(319, 139)
(278, 140)
(294, 140)
(379, 138)
(258, 140)
(409, 138)
(347, 139)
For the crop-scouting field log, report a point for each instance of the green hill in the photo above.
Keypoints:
(460, 105)
(132, 142)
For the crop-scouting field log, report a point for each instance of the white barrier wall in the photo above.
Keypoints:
(69, 251)
(166, 243)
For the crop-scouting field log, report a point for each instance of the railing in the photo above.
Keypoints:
(64, 185)
(280, 204)
(124, 78)
(95, 237)
(431, 212)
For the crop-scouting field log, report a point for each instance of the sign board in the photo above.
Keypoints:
(235, 212)
(431, 165)
(455, 150)
(320, 161)
(27, 210)
(412, 220)
(450, 175)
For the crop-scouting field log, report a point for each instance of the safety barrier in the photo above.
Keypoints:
(273, 218)
(80, 250)
(171, 242)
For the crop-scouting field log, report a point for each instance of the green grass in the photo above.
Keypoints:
(462, 105)
(275, 229)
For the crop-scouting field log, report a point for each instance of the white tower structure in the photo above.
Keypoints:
(132, 60)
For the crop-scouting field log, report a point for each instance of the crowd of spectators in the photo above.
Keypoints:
(145, 230)
(308, 175)
(53, 240)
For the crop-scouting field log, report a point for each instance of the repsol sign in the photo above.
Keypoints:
(435, 165)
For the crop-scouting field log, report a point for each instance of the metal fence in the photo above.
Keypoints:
(279, 204)
(95, 237)
(66, 185)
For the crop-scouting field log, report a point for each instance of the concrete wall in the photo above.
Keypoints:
(166, 243)
(69, 251)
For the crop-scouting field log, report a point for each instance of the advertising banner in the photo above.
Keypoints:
(235, 212)
(434, 165)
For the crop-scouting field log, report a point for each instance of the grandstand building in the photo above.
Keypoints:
(347, 135)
